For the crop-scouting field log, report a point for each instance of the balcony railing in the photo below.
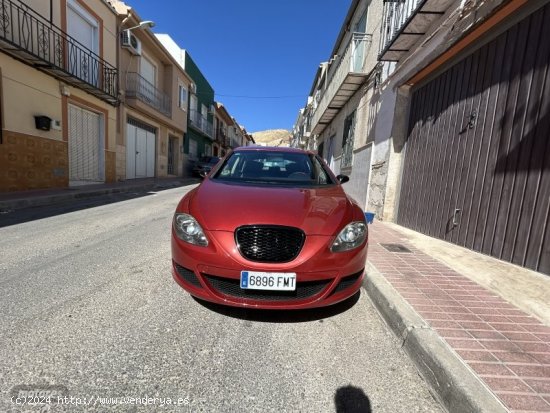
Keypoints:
(200, 122)
(405, 22)
(29, 37)
(345, 77)
(139, 88)
(220, 136)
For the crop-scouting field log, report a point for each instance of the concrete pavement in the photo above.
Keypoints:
(477, 328)
(89, 305)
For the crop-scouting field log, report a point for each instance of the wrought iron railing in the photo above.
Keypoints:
(140, 88)
(198, 121)
(395, 16)
(220, 136)
(27, 35)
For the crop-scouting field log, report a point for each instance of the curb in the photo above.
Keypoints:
(52, 199)
(458, 388)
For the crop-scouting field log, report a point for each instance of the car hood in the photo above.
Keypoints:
(225, 207)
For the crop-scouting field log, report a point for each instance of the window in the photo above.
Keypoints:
(148, 71)
(348, 140)
(182, 97)
(84, 28)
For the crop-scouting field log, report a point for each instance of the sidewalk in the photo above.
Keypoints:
(479, 352)
(11, 201)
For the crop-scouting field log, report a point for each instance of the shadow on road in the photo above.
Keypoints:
(20, 216)
(351, 399)
(282, 316)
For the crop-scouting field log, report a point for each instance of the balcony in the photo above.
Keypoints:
(201, 123)
(221, 136)
(29, 37)
(345, 77)
(405, 22)
(139, 88)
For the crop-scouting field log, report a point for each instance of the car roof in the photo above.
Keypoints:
(259, 148)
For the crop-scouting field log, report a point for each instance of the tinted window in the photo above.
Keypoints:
(284, 168)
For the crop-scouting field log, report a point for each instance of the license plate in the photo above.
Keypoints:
(275, 281)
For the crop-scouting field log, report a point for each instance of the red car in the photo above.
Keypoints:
(270, 228)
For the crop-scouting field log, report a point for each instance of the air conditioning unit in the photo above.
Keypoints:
(193, 88)
(129, 41)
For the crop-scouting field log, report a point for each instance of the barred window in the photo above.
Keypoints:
(348, 140)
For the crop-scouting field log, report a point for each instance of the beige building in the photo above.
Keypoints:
(338, 117)
(89, 95)
(222, 123)
(59, 90)
(154, 94)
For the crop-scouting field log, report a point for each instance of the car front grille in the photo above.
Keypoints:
(187, 275)
(269, 243)
(347, 282)
(231, 287)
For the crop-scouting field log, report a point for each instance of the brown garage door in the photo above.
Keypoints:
(477, 164)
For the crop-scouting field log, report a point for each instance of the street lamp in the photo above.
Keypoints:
(143, 24)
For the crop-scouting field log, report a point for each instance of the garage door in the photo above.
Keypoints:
(140, 150)
(86, 156)
(477, 164)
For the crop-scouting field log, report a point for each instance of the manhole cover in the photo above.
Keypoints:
(395, 248)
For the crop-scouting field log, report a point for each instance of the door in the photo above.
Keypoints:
(86, 157)
(477, 163)
(130, 151)
(140, 150)
(192, 148)
(84, 29)
(150, 158)
(141, 153)
(172, 145)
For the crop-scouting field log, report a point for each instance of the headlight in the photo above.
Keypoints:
(188, 229)
(352, 236)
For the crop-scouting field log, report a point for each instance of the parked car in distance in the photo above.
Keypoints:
(270, 228)
(204, 165)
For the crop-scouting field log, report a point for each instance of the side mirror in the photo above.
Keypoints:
(342, 178)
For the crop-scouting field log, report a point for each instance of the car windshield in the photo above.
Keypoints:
(274, 167)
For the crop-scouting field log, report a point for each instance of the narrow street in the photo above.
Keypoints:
(89, 304)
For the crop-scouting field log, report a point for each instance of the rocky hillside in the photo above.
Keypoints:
(273, 137)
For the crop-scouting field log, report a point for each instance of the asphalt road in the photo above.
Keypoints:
(89, 306)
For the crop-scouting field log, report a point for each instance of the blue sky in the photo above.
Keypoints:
(253, 48)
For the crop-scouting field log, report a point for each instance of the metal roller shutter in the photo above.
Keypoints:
(477, 164)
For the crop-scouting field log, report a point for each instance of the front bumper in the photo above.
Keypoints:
(213, 273)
